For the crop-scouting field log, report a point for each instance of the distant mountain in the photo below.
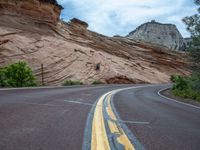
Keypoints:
(158, 33)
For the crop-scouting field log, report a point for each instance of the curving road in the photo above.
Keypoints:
(96, 117)
(172, 126)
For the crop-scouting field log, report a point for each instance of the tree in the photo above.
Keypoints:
(193, 26)
(189, 87)
(19, 75)
(3, 80)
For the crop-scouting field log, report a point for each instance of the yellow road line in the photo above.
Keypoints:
(116, 129)
(99, 135)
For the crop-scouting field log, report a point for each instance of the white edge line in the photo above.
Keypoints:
(190, 105)
(32, 88)
(54, 87)
(47, 87)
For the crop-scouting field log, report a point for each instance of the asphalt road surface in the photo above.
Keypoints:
(75, 118)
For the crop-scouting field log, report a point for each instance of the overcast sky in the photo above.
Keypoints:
(119, 17)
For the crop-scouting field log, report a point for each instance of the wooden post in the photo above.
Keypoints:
(42, 73)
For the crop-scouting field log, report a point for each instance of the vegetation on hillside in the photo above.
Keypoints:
(189, 87)
(70, 82)
(97, 82)
(17, 75)
(186, 87)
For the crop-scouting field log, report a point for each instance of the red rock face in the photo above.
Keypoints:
(33, 9)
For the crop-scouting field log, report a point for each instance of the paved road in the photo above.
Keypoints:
(46, 119)
(68, 118)
(172, 126)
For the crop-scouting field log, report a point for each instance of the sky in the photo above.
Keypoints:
(119, 17)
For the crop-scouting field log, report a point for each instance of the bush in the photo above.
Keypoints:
(3, 81)
(196, 84)
(17, 75)
(70, 82)
(187, 93)
(174, 78)
(180, 83)
(97, 82)
(186, 87)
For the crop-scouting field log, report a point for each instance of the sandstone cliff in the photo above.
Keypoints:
(70, 51)
(43, 10)
(158, 33)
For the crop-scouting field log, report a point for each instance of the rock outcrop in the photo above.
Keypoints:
(68, 51)
(78, 23)
(44, 10)
(158, 33)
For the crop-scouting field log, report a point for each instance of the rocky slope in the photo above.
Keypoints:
(70, 51)
(158, 33)
(39, 10)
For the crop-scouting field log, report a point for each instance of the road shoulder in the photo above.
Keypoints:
(168, 93)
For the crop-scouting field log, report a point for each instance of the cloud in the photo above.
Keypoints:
(111, 17)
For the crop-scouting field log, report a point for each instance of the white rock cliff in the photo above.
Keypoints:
(161, 34)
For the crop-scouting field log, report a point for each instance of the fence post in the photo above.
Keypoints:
(42, 72)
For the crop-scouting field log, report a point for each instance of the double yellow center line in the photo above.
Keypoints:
(107, 132)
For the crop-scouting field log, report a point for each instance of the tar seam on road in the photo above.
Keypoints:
(131, 136)
(78, 102)
(186, 104)
(135, 122)
(104, 129)
(52, 105)
(88, 132)
(29, 103)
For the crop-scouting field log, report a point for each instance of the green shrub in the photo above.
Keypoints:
(180, 83)
(17, 75)
(70, 82)
(174, 78)
(196, 84)
(3, 80)
(97, 82)
(186, 87)
(188, 93)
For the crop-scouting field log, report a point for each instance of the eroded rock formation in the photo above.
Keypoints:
(78, 23)
(44, 10)
(69, 51)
